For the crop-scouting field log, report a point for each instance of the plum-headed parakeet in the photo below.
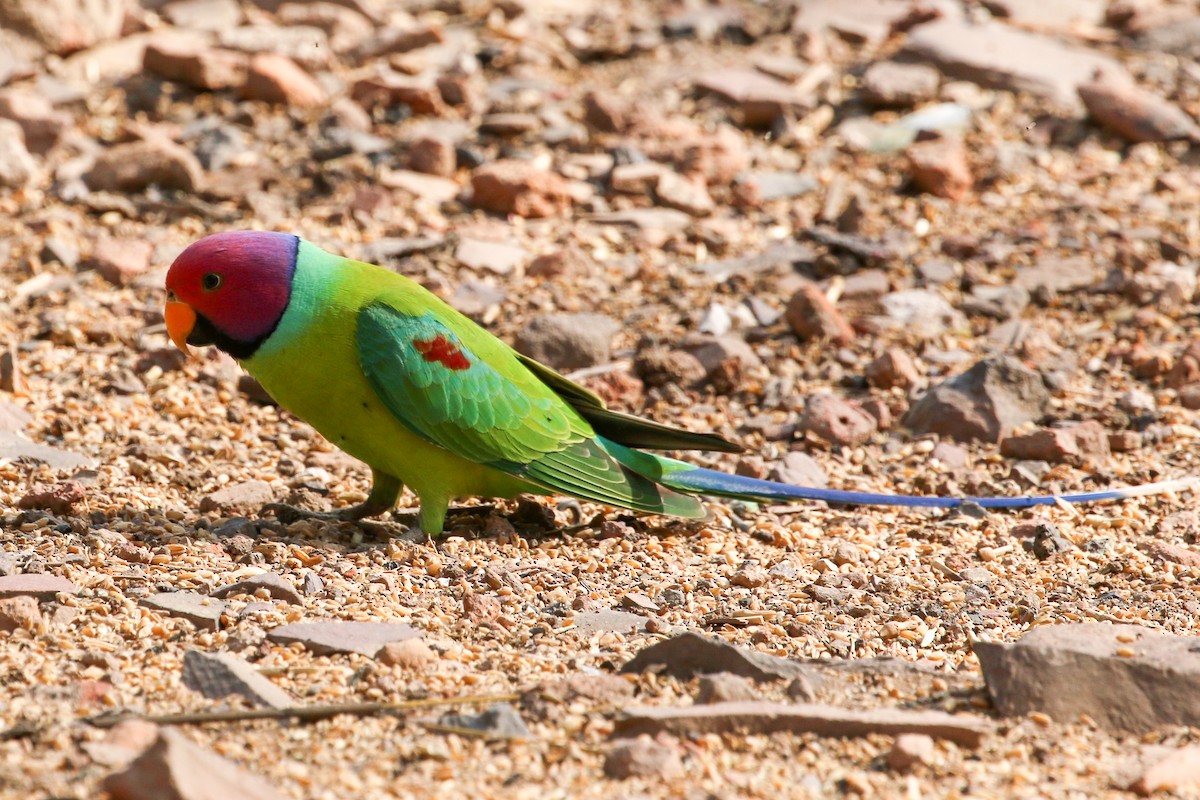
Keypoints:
(430, 400)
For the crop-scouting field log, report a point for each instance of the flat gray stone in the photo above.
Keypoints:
(41, 585)
(175, 768)
(691, 654)
(1001, 57)
(218, 675)
(336, 636)
(14, 446)
(590, 622)
(277, 587)
(1125, 677)
(204, 611)
(499, 721)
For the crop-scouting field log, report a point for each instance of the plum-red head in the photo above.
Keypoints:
(230, 289)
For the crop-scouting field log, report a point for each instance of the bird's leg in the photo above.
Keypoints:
(385, 491)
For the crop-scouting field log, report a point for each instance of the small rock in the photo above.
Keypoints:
(762, 99)
(306, 45)
(205, 15)
(509, 123)
(246, 497)
(1180, 769)
(1134, 113)
(568, 341)
(518, 187)
(722, 687)
(1178, 554)
(413, 654)
(335, 636)
(42, 125)
(274, 585)
(496, 257)
(800, 469)
(714, 351)
(939, 166)
(985, 402)
(589, 623)
(39, 585)
(909, 750)
(20, 612)
(640, 177)
(218, 675)
(391, 90)
(277, 79)
(64, 26)
(134, 166)
(12, 416)
(1087, 441)
(1048, 542)
(120, 261)
(658, 366)
(749, 578)
(17, 166)
(427, 187)
(189, 63)
(13, 445)
(59, 498)
(687, 194)
(837, 420)
(999, 56)
(636, 601)
(1125, 677)
(923, 313)
(433, 155)
(203, 611)
(642, 757)
(1055, 275)
(895, 368)
(605, 113)
(480, 608)
(500, 721)
(811, 315)
(888, 83)
(174, 768)
(691, 654)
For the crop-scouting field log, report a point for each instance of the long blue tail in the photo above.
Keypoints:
(707, 481)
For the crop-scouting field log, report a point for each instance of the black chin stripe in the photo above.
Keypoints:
(205, 333)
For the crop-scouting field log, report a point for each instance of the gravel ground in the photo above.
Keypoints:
(654, 167)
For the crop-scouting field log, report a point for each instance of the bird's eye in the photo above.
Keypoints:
(211, 281)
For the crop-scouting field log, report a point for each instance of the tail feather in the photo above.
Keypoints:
(690, 479)
(720, 484)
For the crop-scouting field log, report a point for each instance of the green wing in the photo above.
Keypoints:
(457, 386)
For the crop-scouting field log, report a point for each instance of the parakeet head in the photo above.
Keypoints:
(230, 289)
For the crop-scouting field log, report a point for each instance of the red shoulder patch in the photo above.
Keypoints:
(443, 351)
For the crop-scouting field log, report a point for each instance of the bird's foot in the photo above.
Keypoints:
(288, 514)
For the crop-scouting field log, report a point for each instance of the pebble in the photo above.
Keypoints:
(1066, 670)
(516, 187)
(17, 166)
(643, 757)
(811, 315)
(909, 750)
(939, 166)
(984, 403)
(277, 79)
(121, 261)
(568, 341)
(837, 420)
(189, 770)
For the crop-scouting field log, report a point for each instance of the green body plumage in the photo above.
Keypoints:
(347, 358)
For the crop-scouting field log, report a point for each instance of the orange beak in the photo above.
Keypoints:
(180, 320)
